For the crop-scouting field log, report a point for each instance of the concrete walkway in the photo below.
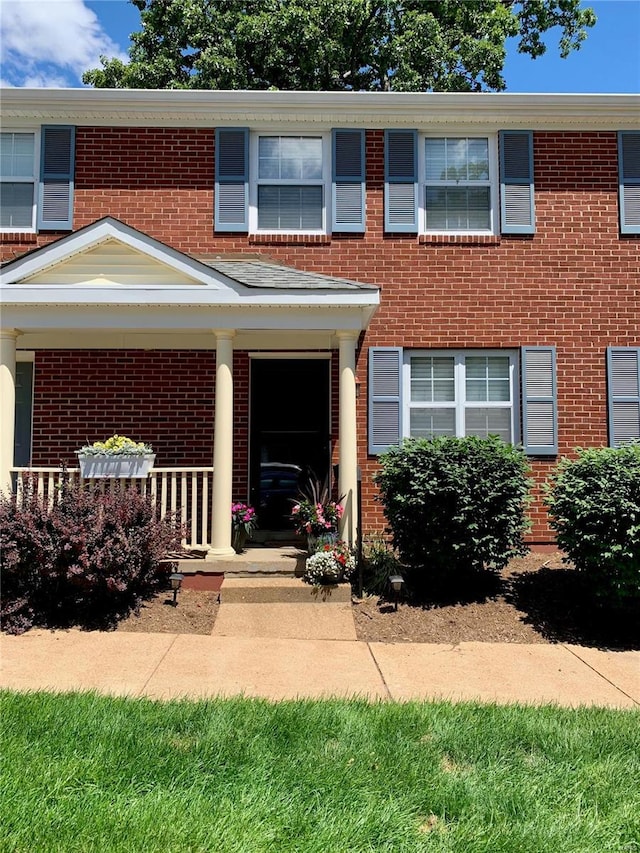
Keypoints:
(164, 666)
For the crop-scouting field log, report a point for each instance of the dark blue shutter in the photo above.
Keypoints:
(539, 401)
(629, 172)
(232, 179)
(401, 180)
(348, 203)
(24, 414)
(55, 193)
(517, 206)
(385, 398)
(623, 394)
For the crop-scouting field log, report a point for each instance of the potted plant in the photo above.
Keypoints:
(243, 523)
(117, 457)
(332, 563)
(315, 520)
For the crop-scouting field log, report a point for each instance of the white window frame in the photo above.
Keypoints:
(492, 183)
(34, 180)
(460, 404)
(324, 182)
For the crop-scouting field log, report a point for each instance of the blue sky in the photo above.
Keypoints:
(50, 43)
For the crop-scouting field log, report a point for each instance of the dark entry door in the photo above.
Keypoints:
(289, 433)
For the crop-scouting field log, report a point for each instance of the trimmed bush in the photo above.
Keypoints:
(594, 503)
(454, 505)
(86, 561)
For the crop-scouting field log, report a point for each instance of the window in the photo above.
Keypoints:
(428, 393)
(290, 188)
(36, 187)
(449, 184)
(459, 394)
(18, 182)
(291, 184)
(457, 184)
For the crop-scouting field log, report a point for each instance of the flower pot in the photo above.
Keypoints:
(238, 540)
(116, 466)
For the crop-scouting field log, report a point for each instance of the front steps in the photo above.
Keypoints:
(287, 562)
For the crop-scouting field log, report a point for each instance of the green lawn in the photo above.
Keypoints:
(88, 773)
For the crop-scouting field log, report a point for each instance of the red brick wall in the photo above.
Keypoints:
(573, 284)
(163, 398)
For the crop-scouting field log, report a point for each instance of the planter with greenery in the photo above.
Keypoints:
(117, 457)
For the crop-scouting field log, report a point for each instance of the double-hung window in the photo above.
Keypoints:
(458, 394)
(19, 156)
(291, 183)
(458, 184)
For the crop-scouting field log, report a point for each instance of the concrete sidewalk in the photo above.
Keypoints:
(164, 666)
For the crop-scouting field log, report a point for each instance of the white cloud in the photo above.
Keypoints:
(50, 42)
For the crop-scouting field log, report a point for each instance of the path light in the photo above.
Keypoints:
(396, 583)
(176, 582)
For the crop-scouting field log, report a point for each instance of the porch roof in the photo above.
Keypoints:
(110, 278)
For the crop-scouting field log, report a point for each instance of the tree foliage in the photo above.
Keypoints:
(333, 45)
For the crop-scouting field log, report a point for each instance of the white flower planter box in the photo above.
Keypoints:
(123, 466)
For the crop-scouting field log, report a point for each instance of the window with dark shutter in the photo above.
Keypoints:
(629, 172)
(385, 398)
(55, 202)
(348, 204)
(232, 179)
(623, 392)
(539, 401)
(517, 207)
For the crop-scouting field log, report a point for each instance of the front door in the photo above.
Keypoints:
(290, 436)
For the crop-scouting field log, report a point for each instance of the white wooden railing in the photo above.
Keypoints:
(186, 492)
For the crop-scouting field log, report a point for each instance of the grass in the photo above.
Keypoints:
(88, 773)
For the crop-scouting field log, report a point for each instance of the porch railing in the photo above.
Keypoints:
(183, 491)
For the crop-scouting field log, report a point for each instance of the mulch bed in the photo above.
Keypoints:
(536, 599)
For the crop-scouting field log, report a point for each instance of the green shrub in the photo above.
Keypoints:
(454, 505)
(87, 560)
(594, 503)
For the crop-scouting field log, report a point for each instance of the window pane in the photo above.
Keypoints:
(487, 378)
(289, 208)
(16, 155)
(456, 159)
(436, 162)
(457, 208)
(16, 205)
(427, 423)
(498, 367)
(290, 158)
(485, 422)
(478, 159)
(432, 379)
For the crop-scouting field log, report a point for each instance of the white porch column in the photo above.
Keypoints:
(348, 446)
(8, 338)
(223, 446)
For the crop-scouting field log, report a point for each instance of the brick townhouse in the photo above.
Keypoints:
(262, 283)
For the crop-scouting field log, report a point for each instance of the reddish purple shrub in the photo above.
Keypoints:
(87, 561)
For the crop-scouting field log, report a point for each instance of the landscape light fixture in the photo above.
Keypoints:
(176, 582)
(396, 583)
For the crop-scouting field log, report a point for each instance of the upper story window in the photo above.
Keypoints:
(290, 183)
(290, 187)
(458, 191)
(449, 184)
(18, 169)
(36, 179)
